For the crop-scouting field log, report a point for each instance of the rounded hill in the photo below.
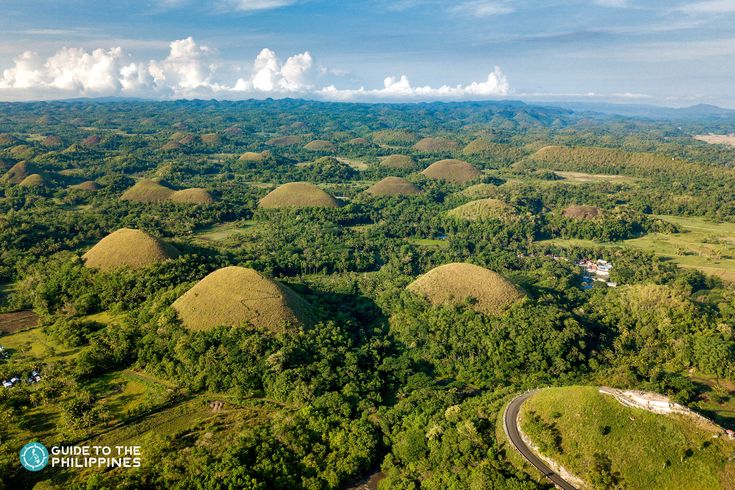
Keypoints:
(33, 180)
(482, 209)
(453, 171)
(195, 195)
(393, 186)
(319, 145)
(89, 185)
(398, 161)
(298, 195)
(20, 171)
(582, 212)
(252, 156)
(486, 291)
(128, 248)
(235, 296)
(435, 145)
(479, 191)
(147, 191)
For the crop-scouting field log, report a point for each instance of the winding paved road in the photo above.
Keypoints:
(510, 424)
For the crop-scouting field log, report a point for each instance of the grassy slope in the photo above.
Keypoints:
(639, 443)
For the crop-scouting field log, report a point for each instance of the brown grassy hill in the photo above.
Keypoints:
(319, 145)
(147, 191)
(482, 209)
(195, 195)
(210, 139)
(252, 156)
(233, 131)
(22, 152)
(284, 141)
(298, 195)
(89, 185)
(398, 161)
(582, 212)
(393, 186)
(128, 248)
(235, 296)
(480, 191)
(359, 142)
(52, 142)
(19, 171)
(33, 180)
(394, 137)
(8, 139)
(171, 145)
(189, 139)
(435, 145)
(456, 283)
(496, 151)
(91, 141)
(454, 171)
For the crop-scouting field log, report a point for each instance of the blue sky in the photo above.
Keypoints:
(670, 53)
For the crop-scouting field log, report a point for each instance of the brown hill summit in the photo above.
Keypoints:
(194, 195)
(235, 296)
(33, 180)
(487, 291)
(393, 186)
(319, 145)
(454, 171)
(298, 195)
(128, 248)
(20, 171)
(89, 185)
(482, 209)
(398, 161)
(435, 145)
(252, 156)
(582, 212)
(147, 191)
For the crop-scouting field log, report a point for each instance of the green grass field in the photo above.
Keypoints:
(36, 344)
(717, 401)
(226, 230)
(645, 450)
(429, 242)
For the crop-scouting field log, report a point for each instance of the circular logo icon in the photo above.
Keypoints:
(34, 456)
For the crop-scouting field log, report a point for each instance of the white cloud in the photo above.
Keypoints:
(482, 8)
(612, 3)
(192, 70)
(708, 7)
(255, 5)
(400, 88)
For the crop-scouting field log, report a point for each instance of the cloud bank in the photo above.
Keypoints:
(191, 70)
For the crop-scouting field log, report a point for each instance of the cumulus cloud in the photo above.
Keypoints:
(192, 70)
(401, 88)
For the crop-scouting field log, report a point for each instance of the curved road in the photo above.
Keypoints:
(510, 424)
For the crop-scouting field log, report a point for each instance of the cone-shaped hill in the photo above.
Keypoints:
(583, 212)
(89, 185)
(435, 145)
(298, 195)
(393, 186)
(128, 248)
(482, 209)
(147, 191)
(253, 156)
(487, 291)
(19, 171)
(33, 180)
(235, 296)
(398, 161)
(454, 171)
(319, 145)
(195, 195)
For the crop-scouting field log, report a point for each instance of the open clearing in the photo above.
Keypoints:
(12, 322)
(226, 230)
(642, 449)
(717, 139)
(581, 177)
(702, 244)
(429, 242)
(36, 344)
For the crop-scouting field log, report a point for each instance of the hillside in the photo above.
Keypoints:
(600, 440)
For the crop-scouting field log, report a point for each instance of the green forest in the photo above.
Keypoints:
(291, 294)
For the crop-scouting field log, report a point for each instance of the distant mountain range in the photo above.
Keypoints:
(691, 113)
